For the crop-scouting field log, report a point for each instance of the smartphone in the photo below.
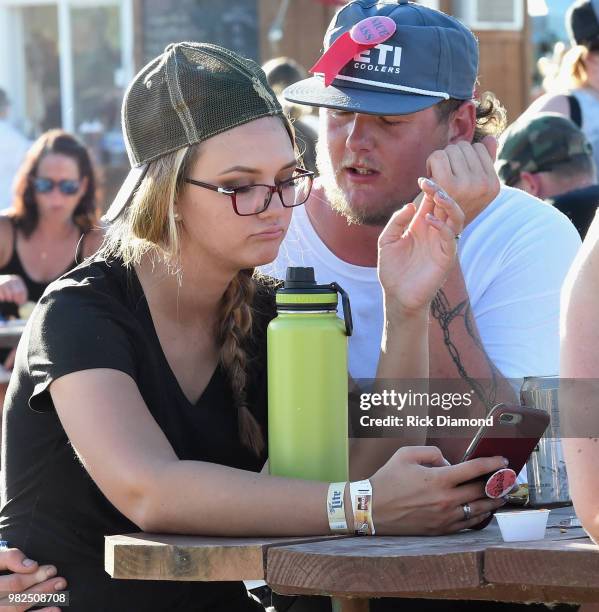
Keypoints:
(514, 434)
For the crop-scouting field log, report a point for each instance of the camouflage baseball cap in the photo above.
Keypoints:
(189, 93)
(538, 144)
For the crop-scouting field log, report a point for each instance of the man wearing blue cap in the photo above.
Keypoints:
(395, 86)
(396, 94)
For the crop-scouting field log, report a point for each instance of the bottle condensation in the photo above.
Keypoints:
(308, 380)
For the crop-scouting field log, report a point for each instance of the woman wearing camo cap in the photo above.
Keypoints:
(139, 394)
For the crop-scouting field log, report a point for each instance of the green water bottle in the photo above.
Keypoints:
(307, 380)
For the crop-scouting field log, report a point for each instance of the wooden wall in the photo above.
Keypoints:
(505, 69)
(304, 27)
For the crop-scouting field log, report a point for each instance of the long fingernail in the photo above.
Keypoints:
(61, 584)
(28, 562)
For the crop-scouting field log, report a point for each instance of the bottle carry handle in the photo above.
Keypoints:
(349, 324)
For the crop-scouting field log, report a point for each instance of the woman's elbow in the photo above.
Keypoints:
(144, 514)
(138, 502)
(154, 511)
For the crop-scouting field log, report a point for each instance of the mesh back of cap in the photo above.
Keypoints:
(190, 93)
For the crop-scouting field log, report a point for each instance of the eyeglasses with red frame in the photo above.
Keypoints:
(255, 199)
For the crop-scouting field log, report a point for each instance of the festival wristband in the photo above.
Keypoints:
(361, 500)
(336, 507)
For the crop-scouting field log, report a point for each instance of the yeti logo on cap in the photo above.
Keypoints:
(386, 58)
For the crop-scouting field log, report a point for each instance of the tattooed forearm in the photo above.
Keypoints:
(445, 315)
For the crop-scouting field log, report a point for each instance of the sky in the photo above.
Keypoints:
(554, 10)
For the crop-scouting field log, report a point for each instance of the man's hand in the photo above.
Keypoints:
(417, 249)
(466, 172)
(27, 577)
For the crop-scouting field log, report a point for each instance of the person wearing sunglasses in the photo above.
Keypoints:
(49, 228)
(140, 392)
(573, 89)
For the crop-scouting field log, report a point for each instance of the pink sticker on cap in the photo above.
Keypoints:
(500, 483)
(373, 30)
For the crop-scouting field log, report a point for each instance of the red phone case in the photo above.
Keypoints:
(513, 440)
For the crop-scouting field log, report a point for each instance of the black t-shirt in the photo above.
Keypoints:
(96, 316)
(579, 206)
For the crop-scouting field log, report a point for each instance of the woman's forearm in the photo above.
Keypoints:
(191, 497)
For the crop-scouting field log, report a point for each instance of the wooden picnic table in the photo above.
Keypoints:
(475, 565)
(10, 335)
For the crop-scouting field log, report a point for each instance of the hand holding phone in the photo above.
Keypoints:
(514, 434)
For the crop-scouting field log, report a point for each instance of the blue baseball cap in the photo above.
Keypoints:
(431, 57)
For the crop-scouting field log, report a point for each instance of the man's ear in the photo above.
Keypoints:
(462, 123)
(531, 183)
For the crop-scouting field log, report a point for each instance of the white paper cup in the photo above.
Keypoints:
(522, 525)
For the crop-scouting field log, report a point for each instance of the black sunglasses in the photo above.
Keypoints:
(46, 185)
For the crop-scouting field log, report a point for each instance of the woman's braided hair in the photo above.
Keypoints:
(233, 329)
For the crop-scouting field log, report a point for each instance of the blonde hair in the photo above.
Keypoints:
(565, 69)
(148, 226)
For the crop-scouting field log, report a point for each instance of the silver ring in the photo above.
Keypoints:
(467, 510)
(457, 236)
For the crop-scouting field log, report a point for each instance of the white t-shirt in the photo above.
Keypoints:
(13, 147)
(514, 257)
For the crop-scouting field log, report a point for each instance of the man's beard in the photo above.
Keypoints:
(373, 213)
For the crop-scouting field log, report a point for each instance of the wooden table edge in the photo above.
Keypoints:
(174, 550)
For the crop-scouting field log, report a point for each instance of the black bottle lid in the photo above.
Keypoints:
(299, 278)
